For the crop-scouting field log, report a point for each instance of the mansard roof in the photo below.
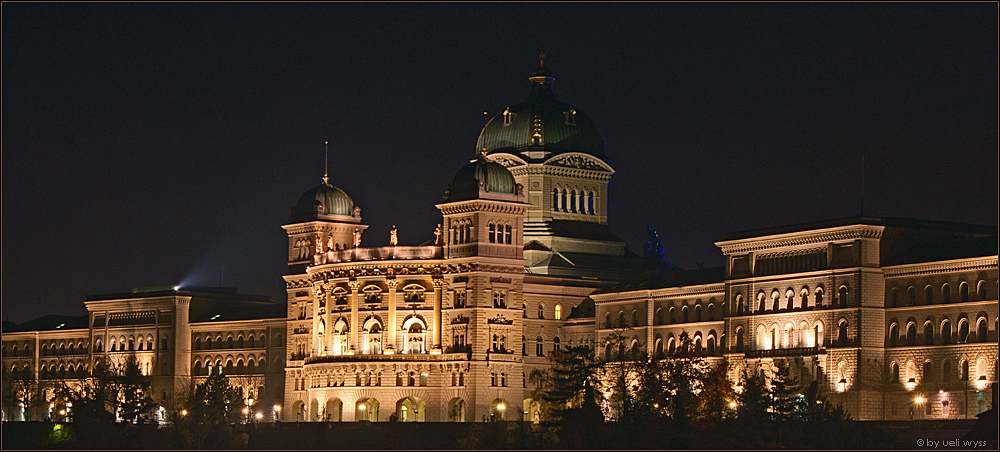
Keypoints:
(663, 277)
(49, 322)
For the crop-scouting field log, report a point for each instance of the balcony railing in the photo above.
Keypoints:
(785, 352)
(384, 357)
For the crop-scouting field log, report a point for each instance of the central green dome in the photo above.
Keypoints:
(542, 123)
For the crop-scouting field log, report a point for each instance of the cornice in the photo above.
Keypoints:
(954, 265)
(803, 238)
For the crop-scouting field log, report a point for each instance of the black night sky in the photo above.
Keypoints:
(156, 144)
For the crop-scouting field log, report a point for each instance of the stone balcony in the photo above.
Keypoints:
(380, 253)
(785, 352)
(399, 357)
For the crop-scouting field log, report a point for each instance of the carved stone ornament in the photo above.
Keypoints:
(500, 319)
(506, 161)
(576, 161)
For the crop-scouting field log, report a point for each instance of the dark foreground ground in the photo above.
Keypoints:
(929, 435)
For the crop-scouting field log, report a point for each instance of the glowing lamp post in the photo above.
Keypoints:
(277, 411)
(364, 414)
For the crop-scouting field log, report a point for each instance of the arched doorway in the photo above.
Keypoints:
(456, 410)
(299, 411)
(533, 410)
(498, 410)
(411, 409)
(314, 410)
(334, 410)
(366, 410)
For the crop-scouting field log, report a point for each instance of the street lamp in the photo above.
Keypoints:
(259, 416)
(277, 411)
(364, 414)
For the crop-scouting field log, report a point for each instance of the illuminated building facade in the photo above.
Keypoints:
(883, 312)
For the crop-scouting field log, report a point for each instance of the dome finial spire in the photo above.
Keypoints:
(326, 163)
(541, 59)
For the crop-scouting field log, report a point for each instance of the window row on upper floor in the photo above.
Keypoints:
(931, 294)
(938, 333)
(574, 200)
(251, 341)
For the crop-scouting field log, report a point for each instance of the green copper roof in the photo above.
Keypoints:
(495, 179)
(333, 200)
(542, 122)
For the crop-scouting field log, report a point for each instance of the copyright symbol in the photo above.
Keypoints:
(920, 442)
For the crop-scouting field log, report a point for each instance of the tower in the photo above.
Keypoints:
(483, 214)
(556, 153)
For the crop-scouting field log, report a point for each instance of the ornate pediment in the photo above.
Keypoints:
(507, 160)
(579, 161)
(500, 319)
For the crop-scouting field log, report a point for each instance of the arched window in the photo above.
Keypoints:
(946, 293)
(760, 302)
(981, 289)
(508, 234)
(607, 320)
(555, 345)
(819, 297)
(565, 200)
(697, 313)
(928, 371)
(590, 203)
(982, 330)
(658, 318)
(842, 297)
(558, 312)
(621, 320)
(928, 295)
(541, 311)
(963, 291)
(739, 304)
(964, 373)
(659, 348)
(492, 233)
(893, 335)
(673, 315)
(893, 298)
(894, 372)
(928, 333)
(842, 333)
(539, 350)
(635, 317)
(684, 314)
(555, 199)
(963, 331)
(739, 339)
(911, 296)
(945, 332)
(946, 370)
(911, 334)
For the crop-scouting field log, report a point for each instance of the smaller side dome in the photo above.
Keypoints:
(485, 175)
(324, 199)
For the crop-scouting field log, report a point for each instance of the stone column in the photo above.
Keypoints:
(437, 327)
(182, 343)
(390, 346)
(327, 336)
(316, 346)
(353, 336)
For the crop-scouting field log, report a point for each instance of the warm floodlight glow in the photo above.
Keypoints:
(918, 399)
(277, 408)
(176, 288)
(184, 412)
(501, 407)
(362, 406)
(259, 416)
(732, 404)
